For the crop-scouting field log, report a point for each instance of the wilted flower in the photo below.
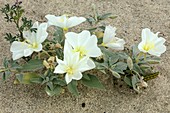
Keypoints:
(64, 22)
(110, 40)
(32, 42)
(49, 63)
(151, 43)
(72, 65)
(84, 43)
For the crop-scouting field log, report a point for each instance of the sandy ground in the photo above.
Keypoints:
(133, 15)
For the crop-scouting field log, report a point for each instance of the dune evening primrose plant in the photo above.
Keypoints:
(68, 58)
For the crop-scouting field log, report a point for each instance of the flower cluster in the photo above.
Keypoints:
(68, 56)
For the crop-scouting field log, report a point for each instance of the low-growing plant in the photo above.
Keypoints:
(64, 60)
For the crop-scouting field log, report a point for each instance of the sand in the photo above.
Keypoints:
(133, 16)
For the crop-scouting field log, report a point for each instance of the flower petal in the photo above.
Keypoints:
(118, 45)
(68, 78)
(17, 55)
(86, 64)
(109, 33)
(72, 38)
(41, 33)
(18, 46)
(85, 38)
(73, 21)
(28, 52)
(77, 76)
(39, 48)
(60, 69)
(52, 19)
(92, 48)
(157, 51)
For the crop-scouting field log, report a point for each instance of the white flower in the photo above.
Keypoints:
(32, 42)
(151, 43)
(84, 43)
(72, 65)
(64, 22)
(110, 41)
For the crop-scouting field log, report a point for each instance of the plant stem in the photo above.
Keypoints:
(138, 57)
(46, 53)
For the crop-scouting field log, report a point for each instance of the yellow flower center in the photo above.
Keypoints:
(148, 46)
(81, 50)
(70, 70)
(65, 29)
(62, 20)
(34, 45)
(103, 44)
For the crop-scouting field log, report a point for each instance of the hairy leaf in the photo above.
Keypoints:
(93, 82)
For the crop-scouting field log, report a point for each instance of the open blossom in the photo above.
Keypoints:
(110, 40)
(32, 42)
(84, 43)
(72, 65)
(151, 43)
(64, 22)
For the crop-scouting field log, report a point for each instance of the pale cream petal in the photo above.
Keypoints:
(77, 76)
(39, 48)
(52, 19)
(72, 38)
(28, 52)
(94, 51)
(41, 33)
(109, 34)
(83, 38)
(18, 46)
(141, 45)
(17, 55)
(86, 64)
(158, 50)
(60, 69)
(68, 78)
(118, 45)
(73, 21)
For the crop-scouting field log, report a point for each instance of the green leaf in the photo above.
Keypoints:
(93, 82)
(56, 91)
(135, 80)
(122, 55)
(72, 87)
(60, 82)
(101, 66)
(154, 60)
(130, 63)
(120, 67)
(32, 65)
(115, 74)
(135, 50)
(59, 35)
(6, 75)
(137, 68)
(37, 80)
(128, 81)
(107, 15)
(5, 62)
(85, 76)
(25, 78)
